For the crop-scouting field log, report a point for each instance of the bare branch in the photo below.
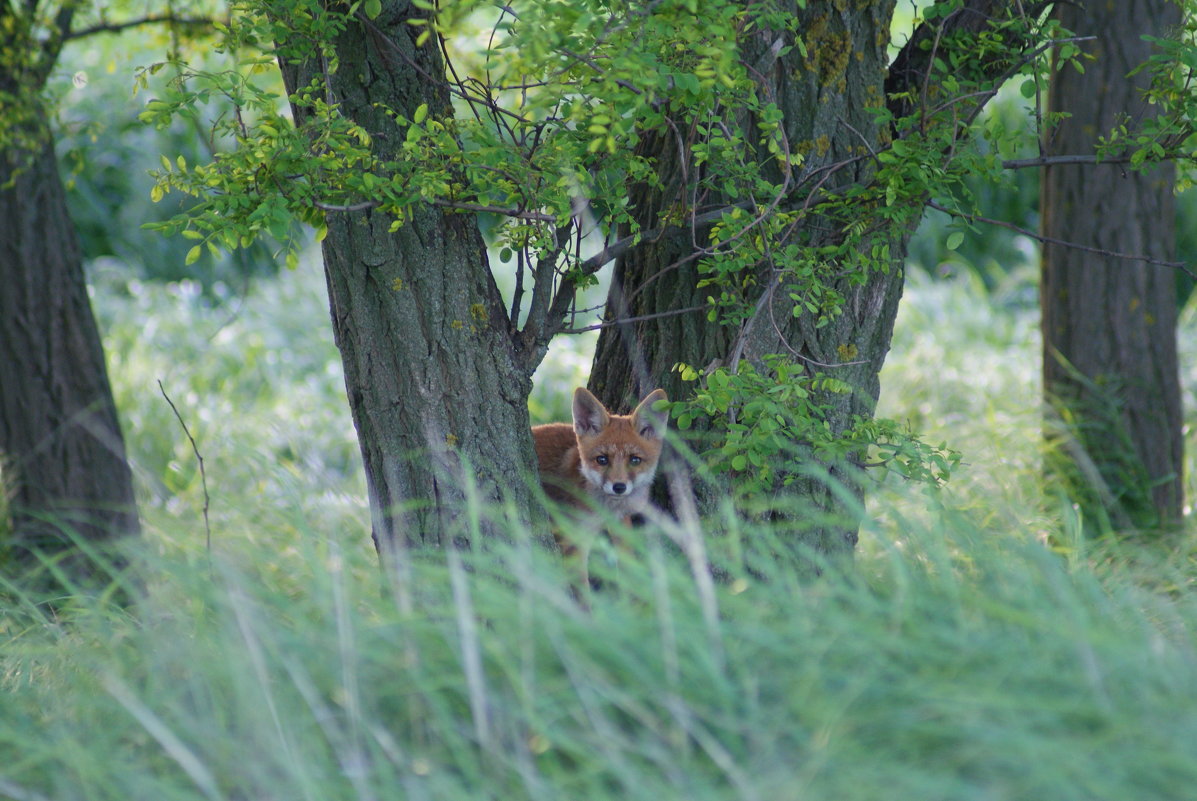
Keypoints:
(1050, 240)
(365, 204)
(1052, 161)
(519, 214)
(199, 458)
(621, 246)
(117, 27)
(623, 320)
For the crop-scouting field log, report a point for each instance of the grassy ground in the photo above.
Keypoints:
(960, 658)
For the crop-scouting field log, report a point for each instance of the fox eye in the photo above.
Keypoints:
(634, 460)
(602, 461)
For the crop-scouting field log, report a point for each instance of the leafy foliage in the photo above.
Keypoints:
(548, 115)
(776, 425)
(1168, 135)
(29, 47)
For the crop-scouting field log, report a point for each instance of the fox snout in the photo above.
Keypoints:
(610, 486)
(621, 486)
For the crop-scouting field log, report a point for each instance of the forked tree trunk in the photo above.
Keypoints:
(438, 395)
(826, 94)
(60, 441)
(826, 100)
(1110, 367)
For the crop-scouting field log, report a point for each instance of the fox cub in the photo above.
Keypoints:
(607, 458)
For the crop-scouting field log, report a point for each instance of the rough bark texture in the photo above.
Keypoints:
(437, 392)
(1109, 324)
(825, 98)
(60, 440)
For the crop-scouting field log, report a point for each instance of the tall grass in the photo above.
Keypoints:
(957, 664)
(959, 658)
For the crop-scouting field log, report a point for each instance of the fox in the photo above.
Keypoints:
(602, 459)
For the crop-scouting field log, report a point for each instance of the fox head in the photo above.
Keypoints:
(619, 453)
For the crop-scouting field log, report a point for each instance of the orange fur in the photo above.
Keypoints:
(602, 459)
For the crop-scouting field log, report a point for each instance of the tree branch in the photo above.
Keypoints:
(911, 68)
(1050, 240)
(117, 27)
(621, 246)
(623, 320)
(1053, 161)
(519, 214)
(362, 206)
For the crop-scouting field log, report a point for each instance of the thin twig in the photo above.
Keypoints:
(1051, 240)
(200, 459)
(1054, 161)
(641, 318)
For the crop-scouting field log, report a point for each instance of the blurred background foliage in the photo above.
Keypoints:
(107, 154)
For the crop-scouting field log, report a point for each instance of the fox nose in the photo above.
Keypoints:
(619, 489)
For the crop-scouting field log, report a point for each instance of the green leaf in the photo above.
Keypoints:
(372, 8)
(954, 240)
(193, 255)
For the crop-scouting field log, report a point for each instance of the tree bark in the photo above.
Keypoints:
(1110, 370)
(825, 98)
(60, 439)
(437, 389)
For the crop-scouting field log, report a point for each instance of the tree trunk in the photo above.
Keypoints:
(1110, 367)
(826, 100)
(436, 388)
(60, 440)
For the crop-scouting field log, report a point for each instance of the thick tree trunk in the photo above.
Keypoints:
(60, 440)
(826, 99)
(1110, 367)
(438, 394)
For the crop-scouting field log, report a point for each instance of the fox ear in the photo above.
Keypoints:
(649, 422)
(590, 416)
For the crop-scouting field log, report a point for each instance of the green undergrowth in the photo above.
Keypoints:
(956, 663)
